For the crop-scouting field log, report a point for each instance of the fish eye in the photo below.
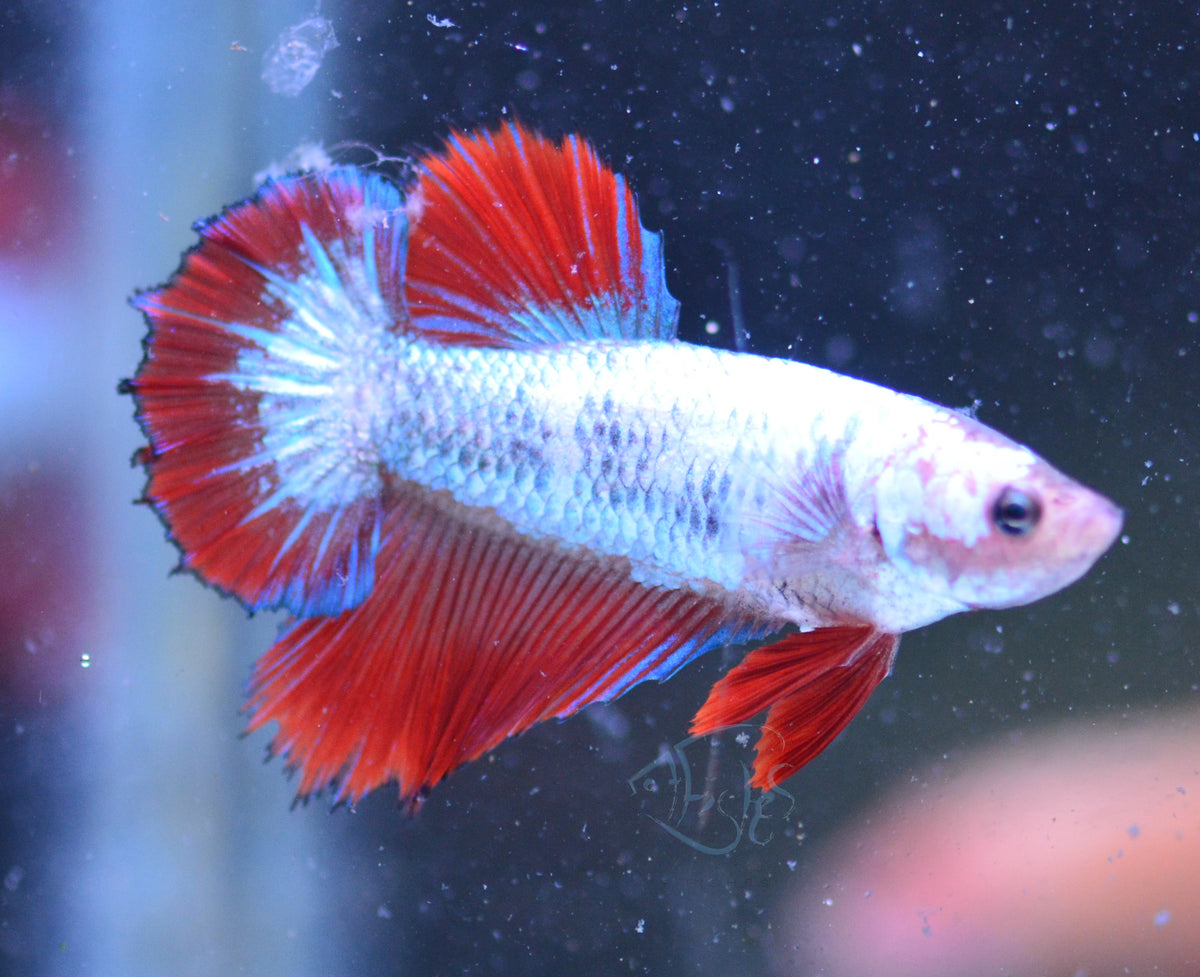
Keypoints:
(1016, 512)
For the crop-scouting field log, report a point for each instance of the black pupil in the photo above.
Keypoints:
(1016, 512)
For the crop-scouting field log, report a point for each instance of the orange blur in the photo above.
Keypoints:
(1072, 852)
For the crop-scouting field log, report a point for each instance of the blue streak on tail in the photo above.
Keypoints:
(325, 352)
(688, 651)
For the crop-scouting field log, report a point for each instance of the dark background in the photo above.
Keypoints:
(996, 206)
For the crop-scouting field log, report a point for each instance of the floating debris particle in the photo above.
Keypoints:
(295, 57)
(308, 157)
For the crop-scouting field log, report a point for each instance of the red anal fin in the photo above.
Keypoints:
(518, 240)
(813, 682)
(471, 634)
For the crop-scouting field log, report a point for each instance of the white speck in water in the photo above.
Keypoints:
(1173, 608)
(1162, 917)
(641, 926)
(383, 912)
(85, 660)
(712, 327)
(826, 902)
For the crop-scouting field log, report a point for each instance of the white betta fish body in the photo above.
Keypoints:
(453, 433)
(705, 468)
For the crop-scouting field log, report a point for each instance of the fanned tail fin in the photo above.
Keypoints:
(260, 390)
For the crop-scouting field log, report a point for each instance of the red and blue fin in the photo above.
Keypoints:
(426, 632)
(262, 458)
(471, 635)
(515, 240)
(811, 683)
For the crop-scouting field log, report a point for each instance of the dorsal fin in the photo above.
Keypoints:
(515, 240)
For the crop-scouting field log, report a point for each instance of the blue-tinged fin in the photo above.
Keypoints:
(262, 385)
(516, 240)
(480, 633)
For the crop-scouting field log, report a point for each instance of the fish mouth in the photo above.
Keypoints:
(1093, 526)
(1109, 525)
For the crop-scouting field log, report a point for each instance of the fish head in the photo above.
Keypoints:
(974, 520)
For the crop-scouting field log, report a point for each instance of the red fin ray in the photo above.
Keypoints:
(516, 240)
(472, 634)
(813, 682)
(253, 461)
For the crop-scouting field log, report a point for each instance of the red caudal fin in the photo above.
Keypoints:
(518, 240)
(813, 683)
(472, 634)
(256, 390)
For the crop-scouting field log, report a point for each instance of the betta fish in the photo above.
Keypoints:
(449, 428)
